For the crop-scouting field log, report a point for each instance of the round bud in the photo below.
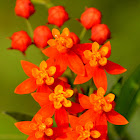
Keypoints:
(24, 8)
(100, 33)
(20, 41)
(57, 15)
(41, 35)
(90, 17)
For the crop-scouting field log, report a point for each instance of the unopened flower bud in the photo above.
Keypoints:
(24, 8)
(90, 17)
(41, 35)
(74, 37)
(57, 15)
(100, 33)
(20, 41)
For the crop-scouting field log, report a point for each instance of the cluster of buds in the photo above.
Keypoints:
(91, 19)
(54, 92)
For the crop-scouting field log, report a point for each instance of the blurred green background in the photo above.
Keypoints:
(123, 19)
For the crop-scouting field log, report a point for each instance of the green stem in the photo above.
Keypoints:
(91, 89)
(82, 33)
(29, 27)
(48, 3)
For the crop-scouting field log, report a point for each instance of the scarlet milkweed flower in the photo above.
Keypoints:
(24, 8)
(41, 76)
(40, 127)
(100, 109)
(57, 15)
(100, 33)
(62, 52)
(20, 41)
(41, 35)
(90, 17)
(97, 63)
(58, 102)
(83, 131)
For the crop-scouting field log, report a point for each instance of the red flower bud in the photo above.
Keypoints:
(75, 38)
(41, 35)
(24, 8)
(100, 33)
(20, 41)
(57, 15)
(90, 17)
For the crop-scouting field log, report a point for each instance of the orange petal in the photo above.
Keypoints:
(99, 77)
(61, 117)
(27, 86)
(50, 52)
(116, 118)
(109, 49)
(46, 111)
(84, 101)
(75, 108)
(113, 68)
(73, 120)
(89, 115)
(41, 98)
(24, 127)
(88, 75)
(75, 63)
(27, 67)
(60, 64)
(95, 47)
(101, 125)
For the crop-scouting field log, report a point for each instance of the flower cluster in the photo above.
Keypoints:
(78, 116)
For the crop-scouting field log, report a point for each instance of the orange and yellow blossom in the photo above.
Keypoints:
(96, 64)
(62, 52)
(38, 77)
(83, 131)
(100, 110)
(58, 102)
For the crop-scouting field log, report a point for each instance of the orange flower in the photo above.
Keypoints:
(62, 52)
(83, 131)
(39, 77)
(39, 128)
(96, 64)
(100, 109)
(58, 102)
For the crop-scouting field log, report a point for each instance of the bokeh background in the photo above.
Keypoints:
(123, 19)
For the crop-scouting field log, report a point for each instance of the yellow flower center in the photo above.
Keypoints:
(59, 97)
(87, 132)
(62, 41)
(100, 102)
(44, 74)
(96, 56)
(42, 127)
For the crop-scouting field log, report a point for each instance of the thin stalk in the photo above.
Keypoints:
(29, 27)
(48, 3)
(82, 33)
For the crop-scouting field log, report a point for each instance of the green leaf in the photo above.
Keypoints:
(39, 1)
(19, 116)
(127, 103)
(8, 131)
